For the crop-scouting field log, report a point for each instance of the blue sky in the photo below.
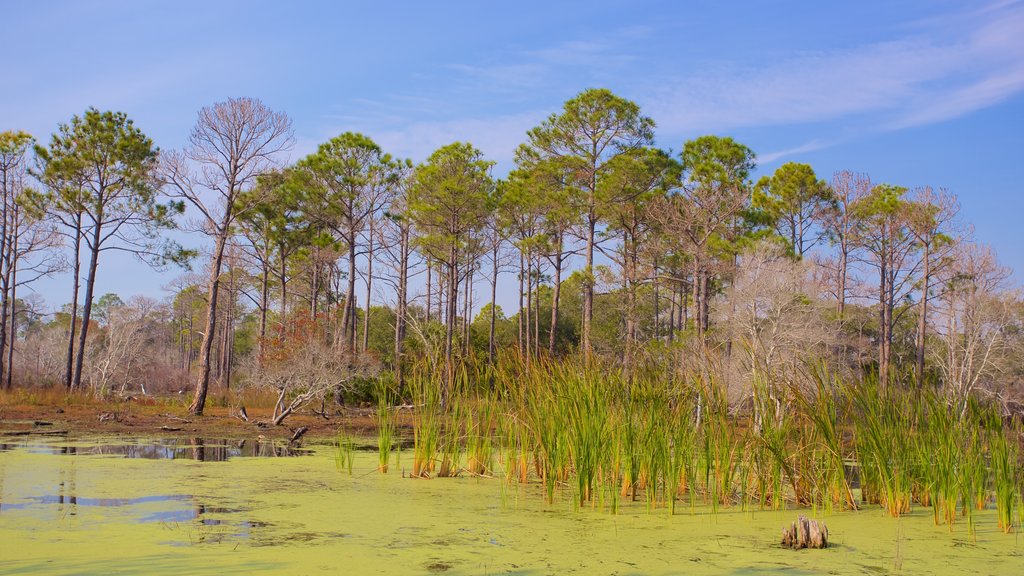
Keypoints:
(911, 92)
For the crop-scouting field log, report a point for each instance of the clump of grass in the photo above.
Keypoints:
(480, 424)
(425, 384)
(881, 426)
(1003, 456)
(723, 446)
(386, 428)
(344, 456)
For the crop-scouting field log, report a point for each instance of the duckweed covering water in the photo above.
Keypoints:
(92, 513)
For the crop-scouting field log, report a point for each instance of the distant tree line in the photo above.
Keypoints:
(351, 263)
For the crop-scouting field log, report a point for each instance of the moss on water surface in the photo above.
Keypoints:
(93, 513)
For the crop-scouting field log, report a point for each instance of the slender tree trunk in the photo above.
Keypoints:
(494, 298)
(403, 305)
(522, 276)
(883, 327)
(4, 307)
(451, 311)
(430, 304)
(350, 301)
(264, 304)
(14, 318)
(528, 324)
(442, 286)
(284, 284)
(657, 302)
(6, 256)
(922, 322)
(76, 265)
(684, 299)
(314, 284)
(698, 297)
(705, 302)
(90, 285)
(630, 289)
(369, 289)
(467, 306)
(213, 289)
(555, 295)
(841, 288)
(536, 311)
(588, 286)
(229, 330)
(673, 291)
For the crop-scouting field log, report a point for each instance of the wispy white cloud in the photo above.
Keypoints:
(947, 71)
(496, 137)
(809, 146)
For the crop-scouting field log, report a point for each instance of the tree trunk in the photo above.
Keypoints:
(657, 302)
(14, 317)
(555, 294)
(429, 303)
(588, 287)
(528, 324)
(522, 277)
(213, 288)
(284, 284)
(264, 304)
(369, 289)
(673, 290)
(467, 306)
(841, 288)
(698, 296)
(536, 312)
(450, 312)
(90, 285)
(883, 327)
(6, 256)
(403, 290)
(494, 297)
(75, 282)
(350, 302)
(922, 322)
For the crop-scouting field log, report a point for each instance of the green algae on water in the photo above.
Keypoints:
(64, 514)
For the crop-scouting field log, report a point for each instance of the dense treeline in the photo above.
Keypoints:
(351, 263)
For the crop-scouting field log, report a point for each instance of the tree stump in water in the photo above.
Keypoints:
(805, 533)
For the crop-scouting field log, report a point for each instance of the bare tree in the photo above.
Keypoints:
(772, 310)
(930, 217)
(28, 244)
(978, 314)
(305, 368)
(848, 188)
(116, 361)
(232, 143)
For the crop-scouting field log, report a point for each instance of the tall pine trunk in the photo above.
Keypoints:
(212, 290)
(922, 322)
(76, 266)
(90, 285)
(556, 293)
(403, 306)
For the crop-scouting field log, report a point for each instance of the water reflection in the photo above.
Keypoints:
(200, 449)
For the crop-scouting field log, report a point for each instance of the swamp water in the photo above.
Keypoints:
(107, 505)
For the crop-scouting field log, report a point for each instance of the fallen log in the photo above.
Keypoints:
(298, 433)
(805, 533)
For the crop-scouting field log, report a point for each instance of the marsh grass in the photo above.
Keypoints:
(605, 439)
(881, 429)
(386, 426)
(345, 452)
(1004, 476)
